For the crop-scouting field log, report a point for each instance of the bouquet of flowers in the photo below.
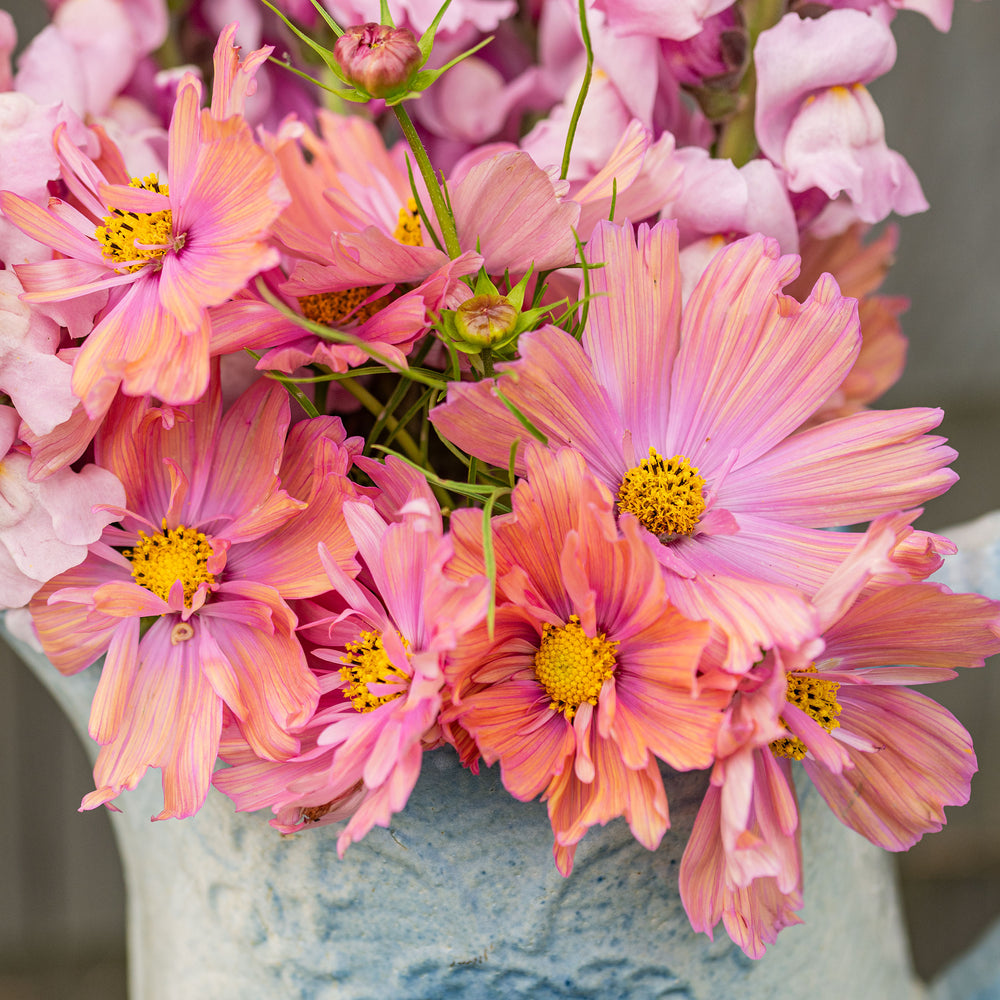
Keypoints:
(518, 425)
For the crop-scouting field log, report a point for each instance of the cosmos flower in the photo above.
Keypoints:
(886, 759)
(689, 421)
(382, 638)
(165, 252)
(590, 677)
(188, 597)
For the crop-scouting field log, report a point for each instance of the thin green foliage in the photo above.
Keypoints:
(582, 96)
(512, 461)
(490, 558)
(290, 387)
(520, 417)
(424, 217)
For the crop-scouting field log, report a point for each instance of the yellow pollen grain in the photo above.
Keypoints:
(408, 230)
(366, 662)
(665, 495)
(572, 666)
(160, 560)
(122, 231)
(818, 699)
(346, 308)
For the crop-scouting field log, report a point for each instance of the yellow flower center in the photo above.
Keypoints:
(572, 666)
(160, 560)
(664, 495)
(127, 237)
(348, 307)
(408, 230)
(818, 699)
(367, 663)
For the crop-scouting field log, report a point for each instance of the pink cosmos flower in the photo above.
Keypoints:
(885, 758)
(356, 251)
(689, 420)
(45, 528)
(387, 634)
(166, 254)
(219, 529)
(589, 675)
(815, 119)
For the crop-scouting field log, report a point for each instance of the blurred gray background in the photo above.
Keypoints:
(61, 894)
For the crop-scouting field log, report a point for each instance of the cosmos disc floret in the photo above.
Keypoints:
(572, 666)
(664, 494)
(818, 699)
(130, 240)
(160, 560)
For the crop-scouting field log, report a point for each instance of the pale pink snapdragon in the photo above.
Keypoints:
(45, 528)
(611, 151)
(88, 53)
(717, 198)
(817, 121)
(678, 20)
(35, 379)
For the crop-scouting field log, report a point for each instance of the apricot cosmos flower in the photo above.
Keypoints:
(187, 598)
(589, 675)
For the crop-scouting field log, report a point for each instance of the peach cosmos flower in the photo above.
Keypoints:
(165, 252)
(219, 529)
(589, 676)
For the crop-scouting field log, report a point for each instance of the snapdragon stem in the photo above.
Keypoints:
(444, 217)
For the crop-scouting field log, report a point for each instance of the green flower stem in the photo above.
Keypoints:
(444, 217)
(582, 96)
(376, 409)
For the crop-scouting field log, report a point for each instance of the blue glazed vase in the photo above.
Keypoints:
(460, 897)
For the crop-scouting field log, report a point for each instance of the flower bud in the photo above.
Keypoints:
(377, 59)
(486, 320)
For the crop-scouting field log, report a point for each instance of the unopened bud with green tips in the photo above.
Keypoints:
(486, 320)
(490, 323)
(378, 60)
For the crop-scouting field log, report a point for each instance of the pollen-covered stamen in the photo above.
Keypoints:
(572, 666)
(160, 560)
(408, 231)
(664, 494)
(346, 308)
(818, 699)
(368, 663)
(128, 237)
